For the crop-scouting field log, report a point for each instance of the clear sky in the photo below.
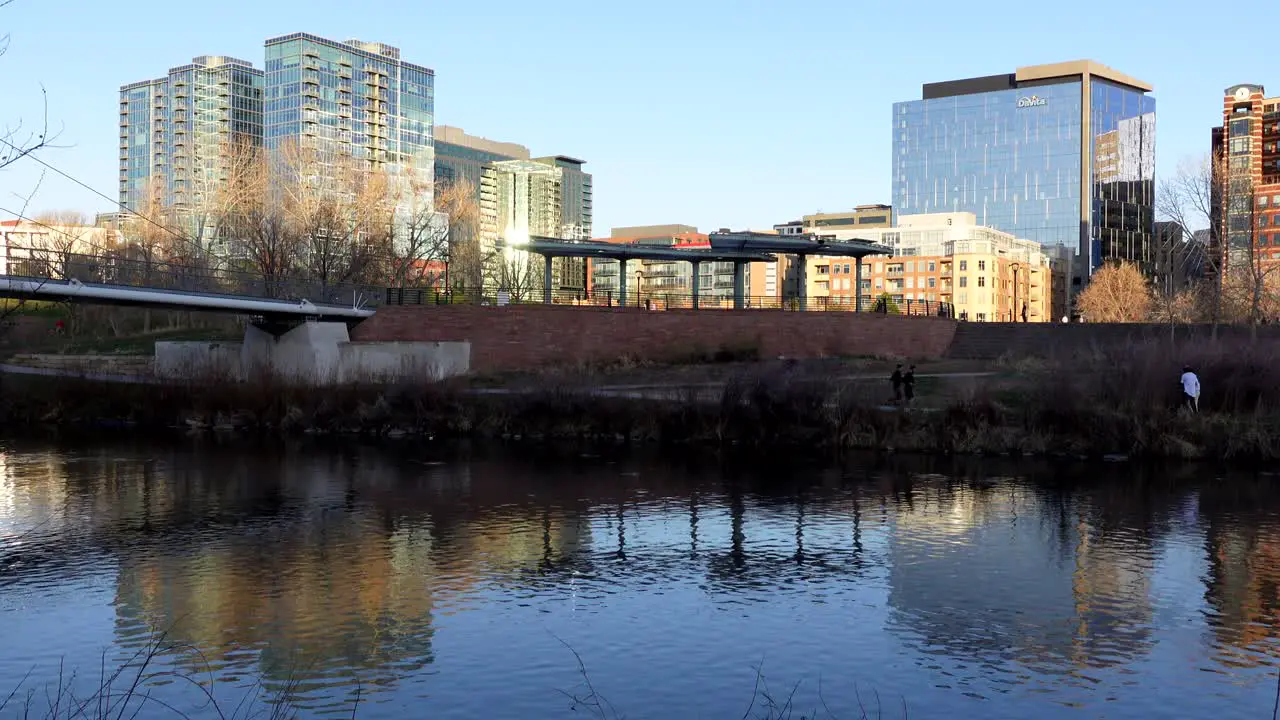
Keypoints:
(705, 112)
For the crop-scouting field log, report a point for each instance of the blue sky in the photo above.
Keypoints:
(710, 113)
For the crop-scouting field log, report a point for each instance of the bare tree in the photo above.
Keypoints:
(417, 235)
(62, 235)
(516, 272)
(17, 139)
(250, 207)
(1116, 293)
(1191, 200)
(457, 200)
(337, 210)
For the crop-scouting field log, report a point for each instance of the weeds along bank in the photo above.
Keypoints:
(1114, 401)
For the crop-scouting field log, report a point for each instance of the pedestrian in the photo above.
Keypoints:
(896, 380)
(1190, 389)
(909, 384)
(1024, 312)
(59, 327)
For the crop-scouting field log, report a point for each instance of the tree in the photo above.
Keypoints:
(516, 272)
(66, 233)
(1116, 293)
(250, 207)
(16, 140)
(417, 237)
(1191, 200)
(457, 200)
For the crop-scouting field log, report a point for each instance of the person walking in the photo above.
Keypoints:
(1190, 389)
(896, 380)
(909, 384)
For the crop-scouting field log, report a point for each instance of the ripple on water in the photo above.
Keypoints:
(472, 588)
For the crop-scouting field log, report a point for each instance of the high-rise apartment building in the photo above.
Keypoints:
(1247, 151)
(544, 197)
(175, 131)
(1060, 154)
(351, 99)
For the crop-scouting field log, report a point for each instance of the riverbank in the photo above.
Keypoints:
(1117, 403)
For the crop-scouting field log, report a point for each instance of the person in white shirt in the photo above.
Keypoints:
(1190, 389)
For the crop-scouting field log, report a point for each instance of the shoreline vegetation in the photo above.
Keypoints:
(1108, 403)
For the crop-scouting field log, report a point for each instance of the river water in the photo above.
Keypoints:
(469, 581)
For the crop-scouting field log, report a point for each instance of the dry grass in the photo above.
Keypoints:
(1118, 400)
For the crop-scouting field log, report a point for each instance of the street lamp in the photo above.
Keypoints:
(1013, 312)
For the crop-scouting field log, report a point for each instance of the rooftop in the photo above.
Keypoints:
(550, 247)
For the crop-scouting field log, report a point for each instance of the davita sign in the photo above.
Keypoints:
(1033, 101)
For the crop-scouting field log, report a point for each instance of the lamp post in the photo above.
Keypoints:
(1013, 311)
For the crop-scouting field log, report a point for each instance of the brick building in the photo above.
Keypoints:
(1246, 149)
(988, 275)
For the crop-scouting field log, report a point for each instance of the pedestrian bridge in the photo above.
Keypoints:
(110, 294)
(112, 279)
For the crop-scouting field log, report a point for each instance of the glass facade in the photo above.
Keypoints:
(144, 109)
(174, 131)
(1010, 157)
(1016, 159)
(353, 98)
(458, 162)
(546, 197)
(1123, 124)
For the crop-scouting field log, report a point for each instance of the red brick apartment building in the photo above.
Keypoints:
(1247, 164)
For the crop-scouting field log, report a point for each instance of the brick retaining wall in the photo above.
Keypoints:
(522, 336)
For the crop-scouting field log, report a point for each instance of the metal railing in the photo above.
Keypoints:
(109, 269)
(659, 301)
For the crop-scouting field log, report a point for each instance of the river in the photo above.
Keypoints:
(478, 581)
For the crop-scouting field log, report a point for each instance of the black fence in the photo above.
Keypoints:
(665, 301)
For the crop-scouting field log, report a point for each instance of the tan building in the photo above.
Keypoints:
(987, 275)
(850, 225)
(35, 248)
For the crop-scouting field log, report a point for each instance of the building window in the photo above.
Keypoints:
(982, 264)
(846, 269)
(982, 281)
(1240, 145)
(911, 283)
(932, 266)
(964, 281)
(1240, 127)
(933, 282)
(964, 265)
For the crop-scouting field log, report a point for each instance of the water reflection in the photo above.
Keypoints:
(320, 566)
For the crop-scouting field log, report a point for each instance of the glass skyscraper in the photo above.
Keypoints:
(352, 98)
(543, 197)
(1060, 154)
(175, 131)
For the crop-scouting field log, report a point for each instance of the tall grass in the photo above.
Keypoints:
(137, 686)
(1121, 399)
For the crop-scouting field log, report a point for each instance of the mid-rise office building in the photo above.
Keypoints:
(543, 197)
(987, 275)
(463, 157)
(1246, 149)
(352, 99)
(1060, 154)
(176, 131)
